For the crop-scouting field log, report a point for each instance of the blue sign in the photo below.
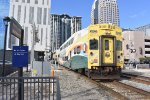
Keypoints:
(20, 56)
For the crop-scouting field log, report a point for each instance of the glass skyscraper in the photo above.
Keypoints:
(4, 11)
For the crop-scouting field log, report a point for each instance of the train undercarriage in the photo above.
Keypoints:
(102, 73)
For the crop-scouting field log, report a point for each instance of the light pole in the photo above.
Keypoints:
(5, 20)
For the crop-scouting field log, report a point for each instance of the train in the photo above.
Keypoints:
(95, 51)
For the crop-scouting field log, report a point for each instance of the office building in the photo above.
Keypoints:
(30, 13)
(62, 27)
(105, 11)
(137, 41)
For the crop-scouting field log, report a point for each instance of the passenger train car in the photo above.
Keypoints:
(95, 51)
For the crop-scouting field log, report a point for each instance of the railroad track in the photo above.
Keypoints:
(119, 90)
(139, 79)
(129, 92)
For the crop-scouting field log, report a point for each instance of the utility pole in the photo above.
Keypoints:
(6, 21)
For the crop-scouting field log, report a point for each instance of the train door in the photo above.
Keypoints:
(107, 50)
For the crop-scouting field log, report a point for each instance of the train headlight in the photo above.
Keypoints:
(107, 54)
(95, 60)
(91, 61)
(91, 54)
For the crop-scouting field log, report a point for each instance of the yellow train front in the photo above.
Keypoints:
(105, 54)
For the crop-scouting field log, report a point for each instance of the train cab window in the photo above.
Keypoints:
(94, 44)
(78, 50)
(106, 44)
(119, 45)
(75, 50)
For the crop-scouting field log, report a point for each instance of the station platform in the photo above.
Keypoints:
(139, 72)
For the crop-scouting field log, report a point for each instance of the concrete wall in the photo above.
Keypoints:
(134, 40)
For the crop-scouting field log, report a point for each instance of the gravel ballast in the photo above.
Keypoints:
(75, 87)
(137, 85)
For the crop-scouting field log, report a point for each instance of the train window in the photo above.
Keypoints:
(78, 50)
(106, 44)
(119, 45)
(75, 51)
(94, 44)
(84, 48)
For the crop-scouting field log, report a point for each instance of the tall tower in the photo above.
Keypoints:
(31, 13)
(62, 27)
(105, 11)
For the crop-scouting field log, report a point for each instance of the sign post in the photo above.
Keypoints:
(19, 52)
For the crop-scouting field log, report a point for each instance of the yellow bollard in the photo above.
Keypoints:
(52, 80)
(52, 71)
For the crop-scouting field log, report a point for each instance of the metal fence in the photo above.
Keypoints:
(33, 88)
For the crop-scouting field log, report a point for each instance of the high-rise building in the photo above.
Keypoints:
(105, 11)
(75, 24)
(62, 27)
(31, 13)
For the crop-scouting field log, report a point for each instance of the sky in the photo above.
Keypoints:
(4, 7)
(133, 13)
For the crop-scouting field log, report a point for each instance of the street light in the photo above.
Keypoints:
(5, 20)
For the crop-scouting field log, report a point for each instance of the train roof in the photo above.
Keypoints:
(79, 32)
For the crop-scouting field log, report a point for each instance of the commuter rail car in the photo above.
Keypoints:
(95, 51)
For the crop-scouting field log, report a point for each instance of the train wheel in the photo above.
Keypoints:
(89, 74)
(83, 71)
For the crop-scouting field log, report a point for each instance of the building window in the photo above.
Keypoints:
(31, 15)
(46, 37)
(147, 52)
(147, 46)
(28, 1)
(45, 16)
(19, 13)
(47, 2)
(41, 35)
(146, 40)
(23, 1)
(24, 14)
(39, 14)
(26, 35)
(36, 1)
(43, 2)
(16, 0)
(13, 10)
(49, 20)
